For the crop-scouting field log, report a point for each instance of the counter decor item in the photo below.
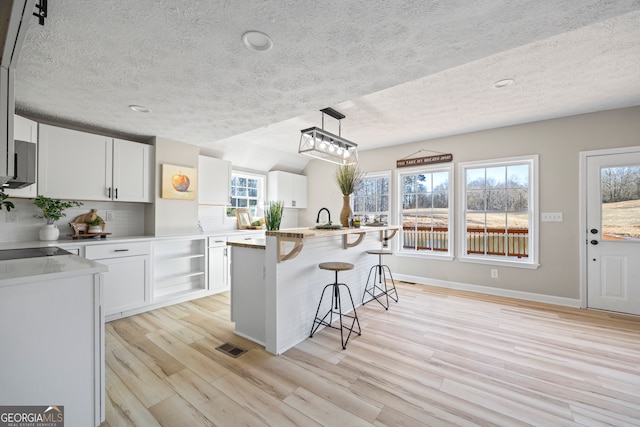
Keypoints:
(3, 201)
(273, 214)
(88, 225)
(348, 178)
(52, 211)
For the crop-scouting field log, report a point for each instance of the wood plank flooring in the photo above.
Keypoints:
(436, 358)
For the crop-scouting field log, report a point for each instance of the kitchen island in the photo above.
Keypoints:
(51, 329)
(280, 275)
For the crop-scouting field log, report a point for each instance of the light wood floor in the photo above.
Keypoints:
(436, 358)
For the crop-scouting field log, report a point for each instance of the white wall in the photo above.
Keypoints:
(558, 142)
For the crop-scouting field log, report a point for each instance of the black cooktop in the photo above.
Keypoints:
(8, 254)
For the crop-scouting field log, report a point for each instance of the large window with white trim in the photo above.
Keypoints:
(371, 198)
(499, 211)
(247, 191)
(426, 207)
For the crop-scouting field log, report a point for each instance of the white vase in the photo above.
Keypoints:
(49, 232)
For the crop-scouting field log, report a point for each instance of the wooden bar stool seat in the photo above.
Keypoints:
(336, 305)
(378, 289)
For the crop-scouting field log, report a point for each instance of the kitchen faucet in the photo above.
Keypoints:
(328, 214)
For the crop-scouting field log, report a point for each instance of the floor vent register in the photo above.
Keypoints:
(231, 350)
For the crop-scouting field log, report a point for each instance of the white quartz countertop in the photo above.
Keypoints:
(19, 271)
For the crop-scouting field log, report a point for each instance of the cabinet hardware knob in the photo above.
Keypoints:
(121, 250)
(594, 231)
(594, 242)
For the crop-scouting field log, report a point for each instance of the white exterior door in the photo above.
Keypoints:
(613, 232)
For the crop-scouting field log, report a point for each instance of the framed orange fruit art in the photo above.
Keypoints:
(179, 182)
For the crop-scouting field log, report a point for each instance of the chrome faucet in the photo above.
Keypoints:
(320, 211)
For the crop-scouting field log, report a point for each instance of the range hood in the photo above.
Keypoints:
(15, 16)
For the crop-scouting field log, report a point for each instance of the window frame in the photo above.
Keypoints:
(430, 254)
(261, 192)
(532, 261)
(376, 175)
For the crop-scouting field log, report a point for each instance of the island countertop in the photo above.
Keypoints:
(311, 232)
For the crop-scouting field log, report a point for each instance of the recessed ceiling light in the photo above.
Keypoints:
(257, 41)
(139, 108)
(503, 83)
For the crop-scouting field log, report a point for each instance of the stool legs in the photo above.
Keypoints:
(378, 287)
(336, 308)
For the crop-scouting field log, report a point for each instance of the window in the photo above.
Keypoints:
(499, 217)
(371, 199)
(426, 211)
(247, 191)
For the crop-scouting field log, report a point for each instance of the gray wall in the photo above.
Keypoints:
(558, 143)
(170, 216)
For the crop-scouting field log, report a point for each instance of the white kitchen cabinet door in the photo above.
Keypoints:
(214, 181)
(132, 171)
(218, 269)
(299, 191)
(288, 187)
(73, 164)
(126, 284)
(24, 130)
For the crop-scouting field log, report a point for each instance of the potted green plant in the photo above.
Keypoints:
(52, 211)
(95, 225)
(4, 202)
(348, 178)
(273, 214)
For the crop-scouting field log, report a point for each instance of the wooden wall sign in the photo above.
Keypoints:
(418, 161)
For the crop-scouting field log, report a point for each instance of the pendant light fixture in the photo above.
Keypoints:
(323, 145)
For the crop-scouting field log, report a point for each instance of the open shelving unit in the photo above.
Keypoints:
(179, 267)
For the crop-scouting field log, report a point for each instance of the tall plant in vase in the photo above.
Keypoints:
(348, 178)
(52, 211)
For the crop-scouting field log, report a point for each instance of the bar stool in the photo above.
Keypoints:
(376, 290)
(336, 304)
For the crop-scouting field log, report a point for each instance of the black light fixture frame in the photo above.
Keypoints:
(42, 11)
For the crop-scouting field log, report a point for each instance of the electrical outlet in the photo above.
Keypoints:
(494, 273)
(111, 216)
(12, 216)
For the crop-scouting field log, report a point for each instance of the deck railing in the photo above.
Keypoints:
(492, 241)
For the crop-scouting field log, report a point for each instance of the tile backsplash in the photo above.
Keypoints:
(22, 223)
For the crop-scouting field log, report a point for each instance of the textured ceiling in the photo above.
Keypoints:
(401, 71)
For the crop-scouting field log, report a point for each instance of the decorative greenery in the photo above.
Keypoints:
(53, 209)
(96, 221)
(4, 202)
(273, 214)
(348, 178)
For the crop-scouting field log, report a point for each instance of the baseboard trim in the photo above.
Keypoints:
(527, 296)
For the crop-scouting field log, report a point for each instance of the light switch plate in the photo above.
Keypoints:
(551, 216)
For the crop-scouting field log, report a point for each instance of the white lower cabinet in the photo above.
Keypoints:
(127, 284)
(218, 264)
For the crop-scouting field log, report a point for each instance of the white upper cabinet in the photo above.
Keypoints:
(24, 130)
(85, 166)
(214, 181)
(288, 187)
(132, 169)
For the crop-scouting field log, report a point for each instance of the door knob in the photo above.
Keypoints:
(594, 231)
(594, 242)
